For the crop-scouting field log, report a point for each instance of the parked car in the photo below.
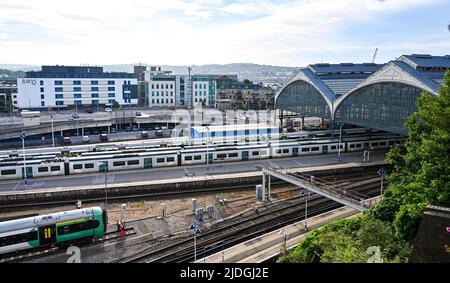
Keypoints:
(158, 128)
(103, 137)
(151, 128)
(135, 129)
(90, 110)
(138, 114)
(75, 116)
(128, 129)
(159, 133)
(113, 130)
(67, 141)
(85, 139)
(108, 109)
(144, 134)
(171, 107)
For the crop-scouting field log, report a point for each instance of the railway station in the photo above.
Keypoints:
(201, 197)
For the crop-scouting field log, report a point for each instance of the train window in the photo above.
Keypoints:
(188, 158)
(366, 144)
(279, 151)
(55, 168)
(222, 155)
(9, 172)
(170, 159)
(197, 157)
(119, 163)
(78, 166)
(133, 162)
(375, 144)
(255, 153)
(382, 143)
(315, 148)
(18, 238)
(333, 147)
(234, 154)
(352, 146)
(89, 165)
(358, 145)
(160, 160)
(305, 149)
(286, 150)
(77, 227)
(43, 169)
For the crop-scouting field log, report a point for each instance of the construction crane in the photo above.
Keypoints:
(374, 55)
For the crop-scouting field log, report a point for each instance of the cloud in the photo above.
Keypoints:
(286, 32)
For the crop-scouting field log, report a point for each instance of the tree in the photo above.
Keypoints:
(115, 104)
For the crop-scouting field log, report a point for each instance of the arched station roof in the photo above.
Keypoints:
(368, 95)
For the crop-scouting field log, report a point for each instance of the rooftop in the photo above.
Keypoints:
(426, 61)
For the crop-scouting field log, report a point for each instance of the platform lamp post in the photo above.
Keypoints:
(340, 124)
(382, 174)
(195, 227)
(307, 193)
(207, 147)
(25, 177)
(104, 164)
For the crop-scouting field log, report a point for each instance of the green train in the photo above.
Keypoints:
(52, 229)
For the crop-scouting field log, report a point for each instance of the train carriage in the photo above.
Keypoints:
(52, 229)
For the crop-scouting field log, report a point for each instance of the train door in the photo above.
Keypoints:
(29, 172)
(324, 148)
(295, 151)
(178, 160)
(210, 158)
(66, 167)
(47, 235)
(103, 167)
(244, 155)
(148, 163)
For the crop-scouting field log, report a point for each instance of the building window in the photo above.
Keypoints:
(111, 82)
(42, 103)
(58, 82)
(111, 101)
(59, 102)
(42, 96)
(77, 89)
(95, 95)
(171, 86)
(94, 102)
(42, 89)
(77, 95)
(41, 82)
(111, 95)
(78, 102)
(94, 82)
(153, 93)
(111, 88)
(171, 100)
(94, 88)
(77, 82)
(59, 95)
(153, 101)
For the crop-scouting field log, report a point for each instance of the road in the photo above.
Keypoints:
(169, 173)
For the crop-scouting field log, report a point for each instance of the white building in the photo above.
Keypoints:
(162, 88)
(69, 86)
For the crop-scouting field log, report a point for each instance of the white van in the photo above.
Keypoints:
(85, 139)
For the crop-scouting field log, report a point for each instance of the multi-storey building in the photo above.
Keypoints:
(234, 94)
(161, 88)
(69, 86)
(8, 95)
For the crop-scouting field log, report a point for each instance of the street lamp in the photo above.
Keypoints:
(104, 165)
(22, 136)
(307, 193)
(340, 124)
(195, 227)
(53, 132)
(382, 174)
(283, 239)
(207, 147)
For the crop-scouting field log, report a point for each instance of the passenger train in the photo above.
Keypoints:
(52, 229)
(116, 160)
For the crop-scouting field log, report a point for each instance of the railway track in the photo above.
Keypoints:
(35, 253)
(239, 230)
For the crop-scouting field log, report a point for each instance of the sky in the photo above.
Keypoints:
(196, 32)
